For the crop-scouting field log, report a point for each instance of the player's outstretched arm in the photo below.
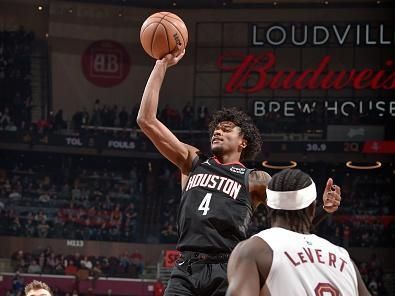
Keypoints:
(248, 267)
(331, 201)
(164, 140)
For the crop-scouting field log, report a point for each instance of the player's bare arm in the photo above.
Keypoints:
(258, 181)
(248, 267)
(331, 201)
(164, 140)
(331, 197)
(362, 289)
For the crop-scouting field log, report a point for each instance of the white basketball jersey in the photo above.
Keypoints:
(305, 264)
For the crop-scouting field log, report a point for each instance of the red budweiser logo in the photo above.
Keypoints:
(260, 70)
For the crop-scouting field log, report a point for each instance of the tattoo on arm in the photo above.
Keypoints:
(258, 181)
(259, 178)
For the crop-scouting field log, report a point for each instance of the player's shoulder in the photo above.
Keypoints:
(331, 245)
(273, 233)
(253, 245)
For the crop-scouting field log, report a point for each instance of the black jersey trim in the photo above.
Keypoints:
(199, 159)
(247, 180)
(247, 185)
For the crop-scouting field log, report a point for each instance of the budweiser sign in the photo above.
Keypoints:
(253, 73)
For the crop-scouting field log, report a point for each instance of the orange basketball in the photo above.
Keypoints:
(161, 33)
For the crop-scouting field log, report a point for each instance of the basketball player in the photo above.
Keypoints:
(37, 288)
(286, 259)
(219, 194)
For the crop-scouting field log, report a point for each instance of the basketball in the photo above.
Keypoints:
(161, 33)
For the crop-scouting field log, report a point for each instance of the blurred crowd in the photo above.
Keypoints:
(50, 201)
(113, 200)
(126, 265)
(185, 118)
(47, 262)
(15, 78)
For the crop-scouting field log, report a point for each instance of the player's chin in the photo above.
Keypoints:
(216, 149)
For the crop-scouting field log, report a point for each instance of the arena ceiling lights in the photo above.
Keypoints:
(267, 164)
(350, 165)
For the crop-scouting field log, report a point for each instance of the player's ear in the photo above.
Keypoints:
(243, 143)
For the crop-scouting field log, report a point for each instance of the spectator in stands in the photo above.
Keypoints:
(59, 122)
(188, 116)
(50, 264)
(137, 261)
(124, 261)
(15, 194)
(71, 269)
(168, 235)
(59, 266)
(5, 118)
(34, 267)
(18, 284)
(18, 260)
(203, 117)
(123, 118)
(86, 263)
(80, 118)
(170, 116)
(44, 197)
(30, 228)
(96, 270)
(96, 119)
(42, 228)
(16, 226)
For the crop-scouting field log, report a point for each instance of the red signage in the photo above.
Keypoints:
(383, 147)
(170, 258)
(261, 68)
(105, 63)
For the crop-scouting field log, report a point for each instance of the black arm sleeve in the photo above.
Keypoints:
(320, 216)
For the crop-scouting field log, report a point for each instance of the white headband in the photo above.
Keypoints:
(291, 200)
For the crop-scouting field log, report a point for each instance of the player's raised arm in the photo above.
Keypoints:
(331, 199)
(164, 140)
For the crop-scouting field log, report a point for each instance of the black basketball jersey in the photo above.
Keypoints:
(215, 207)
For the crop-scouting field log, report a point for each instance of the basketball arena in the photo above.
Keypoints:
(89, 201)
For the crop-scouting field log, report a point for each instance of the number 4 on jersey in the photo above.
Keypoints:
(204, 205)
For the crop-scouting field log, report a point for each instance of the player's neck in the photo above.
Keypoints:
(228, 158)
(299, 228)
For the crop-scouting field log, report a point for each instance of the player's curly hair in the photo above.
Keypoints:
(290, 180)
(37, 285)
(249, 131)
